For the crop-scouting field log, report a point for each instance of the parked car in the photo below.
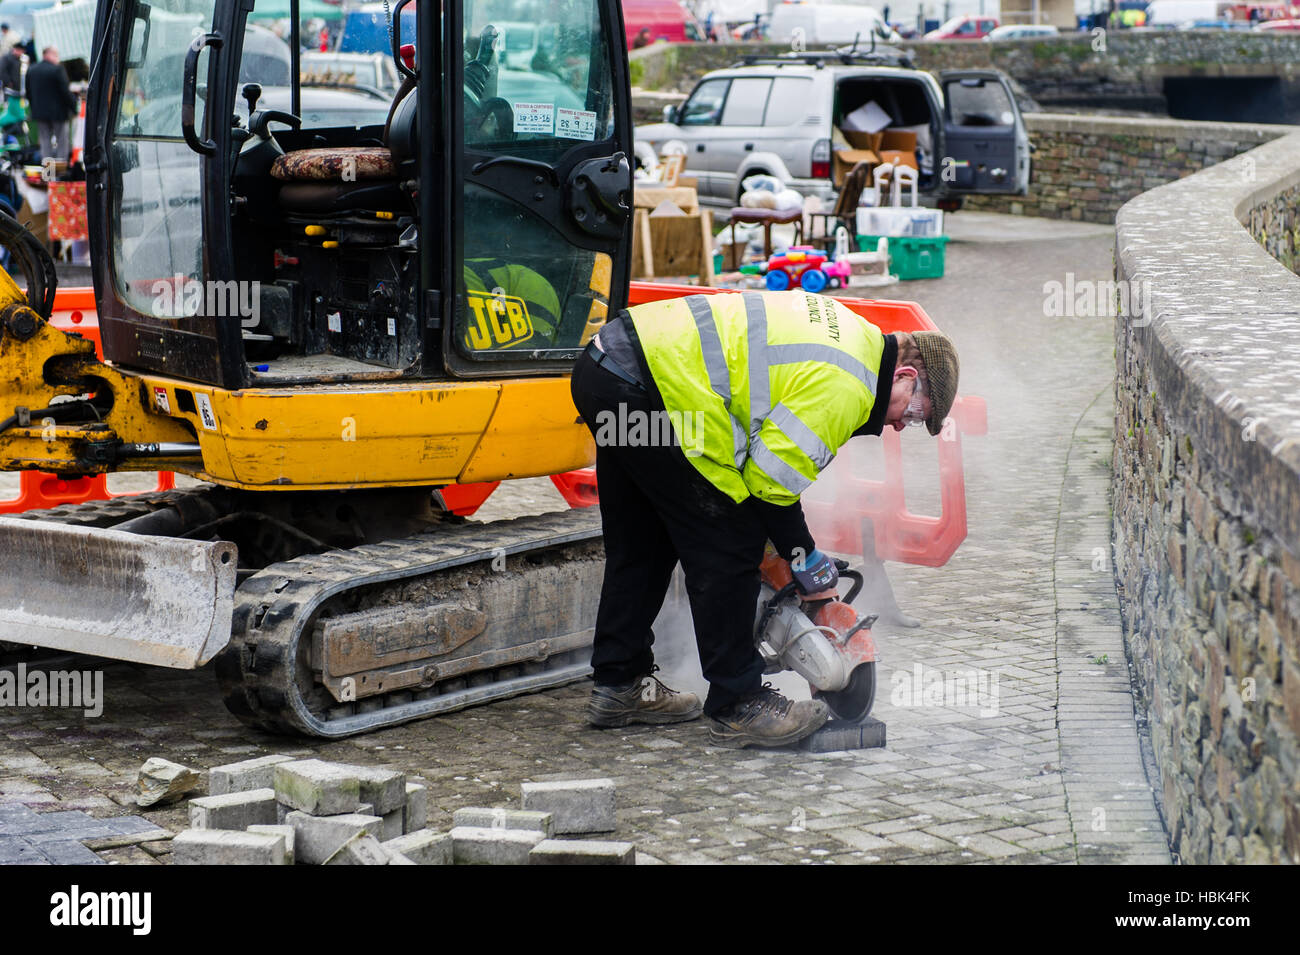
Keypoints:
(1022, 31)
(779, 115)
(821, 23)
(366, 71)
(966, 27)
(665, 19)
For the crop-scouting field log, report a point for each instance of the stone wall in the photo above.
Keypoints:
(1086, 167)
(1276, 225)
(1064, 70)
(1206, 504)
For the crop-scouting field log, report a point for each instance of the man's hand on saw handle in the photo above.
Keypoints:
(817, 575)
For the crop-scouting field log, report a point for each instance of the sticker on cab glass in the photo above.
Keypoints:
(160, 399)
(534, 117)
(496, 321)
(575, 124)
(205, 411)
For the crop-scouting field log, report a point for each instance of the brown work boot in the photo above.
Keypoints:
(646, 700)
(767, 719)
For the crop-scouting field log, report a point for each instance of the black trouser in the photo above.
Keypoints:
(657, 509)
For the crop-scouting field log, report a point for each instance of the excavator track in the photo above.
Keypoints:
(113, 511)
(537, 576)
(454, 616)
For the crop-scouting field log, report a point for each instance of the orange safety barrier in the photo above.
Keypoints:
(74, 311)
(465, 499)
(577, 487)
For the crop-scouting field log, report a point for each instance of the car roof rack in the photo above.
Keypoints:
(847, 56)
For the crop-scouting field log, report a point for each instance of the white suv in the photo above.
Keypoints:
(777, 115)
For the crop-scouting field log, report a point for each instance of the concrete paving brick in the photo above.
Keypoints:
(69, 852)
(287, 833)
(423, 847)
(393, 824)
(1058, 840)
(415, 815)
(543, 822)
(237, 810)
(920, 841)
(248, 774)
(582, 852)
(384, 789)
(839, 735)
(316, 838)
(362, 849)
(317, 787)
(227, 847)
(16, 850)
(579, 805)
(952, 831)
(858, 839)
(474, 845)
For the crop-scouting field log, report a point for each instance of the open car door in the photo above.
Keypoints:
(986, 145)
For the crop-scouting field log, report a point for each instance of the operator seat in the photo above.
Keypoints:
(342, 179)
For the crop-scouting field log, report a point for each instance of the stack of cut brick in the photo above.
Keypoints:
(276, 810)
(526, 837)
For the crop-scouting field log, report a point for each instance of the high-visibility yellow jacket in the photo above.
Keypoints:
(762, 388)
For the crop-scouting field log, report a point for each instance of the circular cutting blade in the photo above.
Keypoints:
(853, 703)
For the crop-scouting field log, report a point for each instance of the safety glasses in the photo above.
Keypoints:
(915, 413)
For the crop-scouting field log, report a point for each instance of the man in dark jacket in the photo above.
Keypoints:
(52, 102)
(11, 70)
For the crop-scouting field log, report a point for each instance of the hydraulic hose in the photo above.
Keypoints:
(35, 262)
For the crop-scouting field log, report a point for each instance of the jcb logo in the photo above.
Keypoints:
(498, 321)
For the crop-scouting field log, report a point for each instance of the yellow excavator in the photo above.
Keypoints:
(325, 307)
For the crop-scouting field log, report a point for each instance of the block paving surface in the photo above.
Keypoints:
(1043, 767)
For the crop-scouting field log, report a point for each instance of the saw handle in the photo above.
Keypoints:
(854, 575)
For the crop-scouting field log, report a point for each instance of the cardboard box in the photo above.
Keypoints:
(896, 139)
(843, 160)
(899, 158)
(898, 148)
(859, 140)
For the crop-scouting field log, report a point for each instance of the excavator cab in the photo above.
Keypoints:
(252, 231)
(327, 304)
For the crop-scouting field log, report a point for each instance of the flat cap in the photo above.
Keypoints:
(941, 370)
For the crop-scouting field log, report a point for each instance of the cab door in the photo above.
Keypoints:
(538, 235)
(986, 144)
(156, 180)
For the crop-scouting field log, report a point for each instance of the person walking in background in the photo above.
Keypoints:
(53, 104)
(11, 71)
(642, 39)
(8, 38)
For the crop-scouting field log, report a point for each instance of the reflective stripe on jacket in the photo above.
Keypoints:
(762, 388)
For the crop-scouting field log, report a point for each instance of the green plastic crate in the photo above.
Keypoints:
(911, 257)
